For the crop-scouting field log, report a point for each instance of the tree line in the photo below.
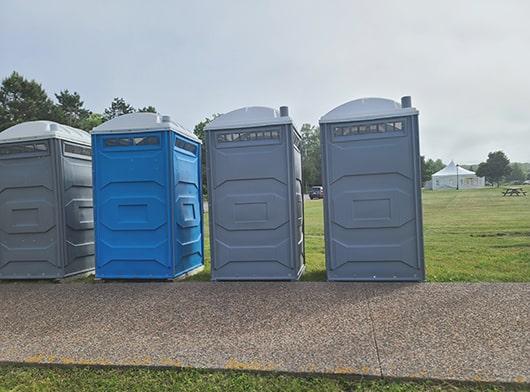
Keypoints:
(25, 100)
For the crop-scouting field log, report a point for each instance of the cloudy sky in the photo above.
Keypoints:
(466, 64)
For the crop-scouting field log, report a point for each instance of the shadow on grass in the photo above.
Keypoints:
(110, 378)
(314, 276)
(203, 276)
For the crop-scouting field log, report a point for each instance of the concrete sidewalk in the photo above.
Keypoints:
(478, 332)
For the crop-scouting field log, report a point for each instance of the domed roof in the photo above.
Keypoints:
(142, 122)
(250, 116)
(35, 130)
(365, 109)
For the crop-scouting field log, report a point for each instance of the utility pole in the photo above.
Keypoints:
(457, 183)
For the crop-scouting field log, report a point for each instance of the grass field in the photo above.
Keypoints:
(471, 235)
(77, 379)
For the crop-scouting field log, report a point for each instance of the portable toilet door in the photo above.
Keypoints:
(148, 199)
(372, 180)
(255, 195)
(46, 221)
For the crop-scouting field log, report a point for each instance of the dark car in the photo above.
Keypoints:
(316, 192)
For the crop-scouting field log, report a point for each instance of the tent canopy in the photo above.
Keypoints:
(450, 170)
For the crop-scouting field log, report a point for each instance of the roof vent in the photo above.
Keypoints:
(284, 111)
(406, 101)
(166, 119)
(54, 127)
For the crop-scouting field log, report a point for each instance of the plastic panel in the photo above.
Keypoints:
(148, 205)
(36, 240)
(372, 206)
(132, 211)
(254, 209)
(189, 248)
(78, 213)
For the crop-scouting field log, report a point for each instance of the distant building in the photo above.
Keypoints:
(447, 178)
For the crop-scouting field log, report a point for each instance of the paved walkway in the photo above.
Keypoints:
(441, 331)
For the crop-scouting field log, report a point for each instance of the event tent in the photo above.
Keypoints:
(448, 177)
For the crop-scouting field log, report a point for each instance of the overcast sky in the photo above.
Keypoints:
(466, 64)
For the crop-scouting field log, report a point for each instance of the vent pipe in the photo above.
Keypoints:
(406, 101)
(284, 111)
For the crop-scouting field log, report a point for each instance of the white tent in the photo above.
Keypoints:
(448, 177)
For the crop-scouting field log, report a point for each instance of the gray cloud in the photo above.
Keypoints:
(466, 64)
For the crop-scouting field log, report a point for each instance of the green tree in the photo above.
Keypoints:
(198, 130)
(437, 165)
(147, 109)
(496, 167)
(311, 157)
(517, 173)
(90, 122)
(71, 108)
(24, 100)
(429, 167)
(423, 168)
(117, 108)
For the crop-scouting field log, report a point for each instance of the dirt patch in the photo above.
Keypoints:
(527, 245)
(503, 234)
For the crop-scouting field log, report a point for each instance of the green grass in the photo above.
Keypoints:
(21, 379)
(476, 235)
(471, 235)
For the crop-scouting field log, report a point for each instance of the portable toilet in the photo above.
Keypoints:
(148, 199)
(46, 223)
(255, 195)
(372, 180)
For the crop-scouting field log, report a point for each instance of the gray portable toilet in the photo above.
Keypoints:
(372, 180)
(46, 224)
(255, 198)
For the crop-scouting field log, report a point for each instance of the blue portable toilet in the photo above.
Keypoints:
(147, 198)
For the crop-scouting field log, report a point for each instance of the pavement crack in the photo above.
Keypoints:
(372, 322)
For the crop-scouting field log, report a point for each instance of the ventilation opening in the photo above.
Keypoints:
(78, 151)
(186, 146)
(297, 141)
(132, 141)
(363, 129)
(248, 136)
(24, 150)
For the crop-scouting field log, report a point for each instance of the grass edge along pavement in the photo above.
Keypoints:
(86, 378)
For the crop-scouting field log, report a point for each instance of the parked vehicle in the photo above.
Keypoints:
(316, 192)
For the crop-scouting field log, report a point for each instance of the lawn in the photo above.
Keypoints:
(22, 379)
(471, 235)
